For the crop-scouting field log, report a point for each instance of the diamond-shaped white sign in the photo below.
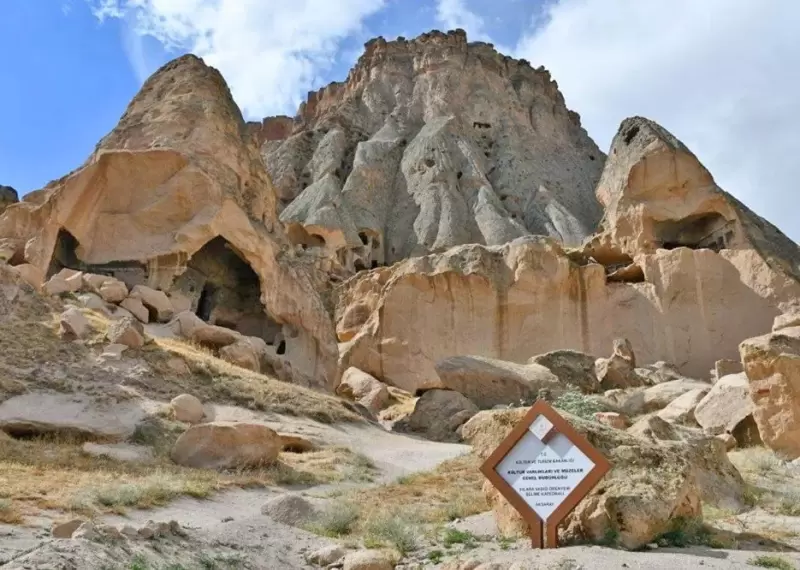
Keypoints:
(544, 474)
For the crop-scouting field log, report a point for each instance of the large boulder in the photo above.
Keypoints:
(772, 365)
(73, 324)
(728, 408)
(67, 415)
(363, 388)
(126, 331)
(439, 413)
(227, 445)
(681, 409)
(157, 303)
(214, 336)
(618, 370)
(718, 481)
(658, 397)
(571, 367)
(650, 484)
(488, 382)
(187, 408)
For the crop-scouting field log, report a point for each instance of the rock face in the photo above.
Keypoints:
(177, 199)
(571, 367)
(8, 196)
(772, 365)
(691, 300)
(431, 143)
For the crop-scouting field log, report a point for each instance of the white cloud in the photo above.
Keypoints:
(455, 14)
(721, 75)
(270, 52)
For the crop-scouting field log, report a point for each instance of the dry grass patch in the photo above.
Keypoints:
(390, 515)
(213, 379)
(56, 474)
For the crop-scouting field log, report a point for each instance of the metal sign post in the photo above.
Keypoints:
(544, 467)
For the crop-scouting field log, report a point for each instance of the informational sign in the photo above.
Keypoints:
(544, 468)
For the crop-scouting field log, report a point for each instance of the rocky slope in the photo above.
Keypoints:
(431, 143)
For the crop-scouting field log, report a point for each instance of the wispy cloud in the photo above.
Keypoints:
(721, 75)
(270, 52)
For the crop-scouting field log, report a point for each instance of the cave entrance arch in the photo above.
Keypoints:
(224, 290)
(709, 230)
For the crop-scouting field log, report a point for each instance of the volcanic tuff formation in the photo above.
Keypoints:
(463, 169)
(429, 144)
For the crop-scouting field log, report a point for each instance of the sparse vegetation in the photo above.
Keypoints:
(686, 532)
(770, 561)
(55, 473)
(789, 504)
(338, 520)
(455, 536)
(578, 404)
(398, 532)
(8, 512)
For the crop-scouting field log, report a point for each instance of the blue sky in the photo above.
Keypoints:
(720, 75)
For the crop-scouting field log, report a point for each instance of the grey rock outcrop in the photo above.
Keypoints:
(431, 143)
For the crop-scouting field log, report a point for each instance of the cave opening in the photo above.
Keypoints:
(225, 291)
(65, 256)
(702, 231)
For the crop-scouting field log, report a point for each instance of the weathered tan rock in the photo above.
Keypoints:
(692, 305)
(46, 413)
(658, 397)
(439, 413)
(726, 367)
(216, 337)
(226, 445)
(618, 370)
(650, 484)
(360, 387)
(66, 529)
(31, 274)
(786, 320)
(489, 382)
(113, 291)
(728, 408)
(727, 440)
(367, 560)
(184, 324)
(120, 451)
(65, 281)
(289, 509)
(73, 324)
(127, 331)
(571, 367)
(136, 308)
(187, 408)
(296, 444)
(772, 365)
(326, 555)
(612, 419)
(243, 352)
(178, 178)
(157, 302)
(681, 409)
(718, 481)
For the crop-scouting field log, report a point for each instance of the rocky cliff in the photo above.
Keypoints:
(431, 143)
(679, 267)
(176, 197)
